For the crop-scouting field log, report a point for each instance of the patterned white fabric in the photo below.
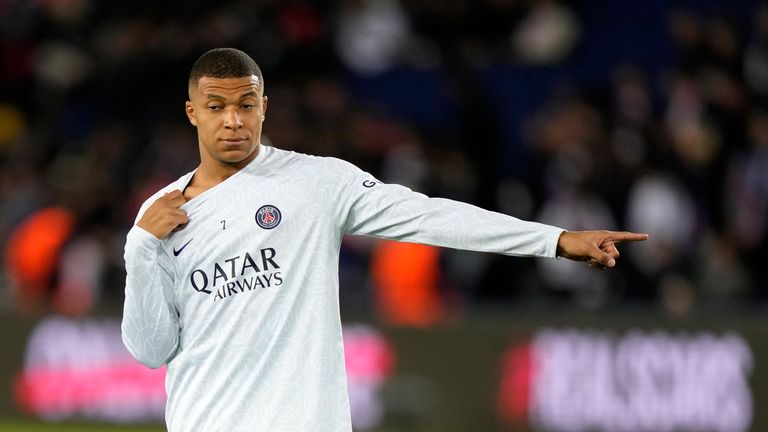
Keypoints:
(242, 303)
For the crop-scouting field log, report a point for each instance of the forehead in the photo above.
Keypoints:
(227, 86)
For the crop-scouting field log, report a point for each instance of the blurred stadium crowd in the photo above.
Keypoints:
(641, 115)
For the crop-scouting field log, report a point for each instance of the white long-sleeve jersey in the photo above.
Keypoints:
(242, 303)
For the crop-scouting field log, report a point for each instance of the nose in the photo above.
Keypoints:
(233, 120)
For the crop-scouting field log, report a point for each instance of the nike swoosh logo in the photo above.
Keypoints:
(176, 252)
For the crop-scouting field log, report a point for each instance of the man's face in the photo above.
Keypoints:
(228, 114)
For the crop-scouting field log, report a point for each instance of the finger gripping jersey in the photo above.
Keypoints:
(242, 303)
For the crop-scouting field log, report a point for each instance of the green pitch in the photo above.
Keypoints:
(37, 426)
(34, 426)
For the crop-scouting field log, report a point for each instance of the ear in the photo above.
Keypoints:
(190, 110)
(264, 104)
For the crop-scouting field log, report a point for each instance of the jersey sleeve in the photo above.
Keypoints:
(150, 326)
(396, 212)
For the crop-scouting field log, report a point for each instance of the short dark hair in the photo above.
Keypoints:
(224, 63)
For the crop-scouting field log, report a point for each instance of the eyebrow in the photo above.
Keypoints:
(222, 98)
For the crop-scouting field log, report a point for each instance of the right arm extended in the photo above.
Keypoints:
(150, 326)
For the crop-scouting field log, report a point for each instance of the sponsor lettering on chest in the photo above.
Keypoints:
(249, 271)
(245, 272)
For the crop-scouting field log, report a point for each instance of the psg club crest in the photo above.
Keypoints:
(268, 216)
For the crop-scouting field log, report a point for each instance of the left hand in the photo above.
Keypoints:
(597, 248)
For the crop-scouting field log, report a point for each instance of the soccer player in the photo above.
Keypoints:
(232, 275)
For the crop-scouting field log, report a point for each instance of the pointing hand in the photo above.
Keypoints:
(597, 248)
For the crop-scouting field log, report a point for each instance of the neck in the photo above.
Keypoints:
(213, 175)
(211, 172)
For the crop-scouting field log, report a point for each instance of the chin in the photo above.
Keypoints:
(233, 157)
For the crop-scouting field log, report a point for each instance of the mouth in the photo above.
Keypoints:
(237, 141)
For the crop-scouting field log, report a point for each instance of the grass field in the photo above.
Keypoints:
(35, 426)
(17, 425)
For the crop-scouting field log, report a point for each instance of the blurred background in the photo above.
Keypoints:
(648, 115)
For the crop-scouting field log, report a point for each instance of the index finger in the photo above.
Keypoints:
(175, 198)
(619, 236)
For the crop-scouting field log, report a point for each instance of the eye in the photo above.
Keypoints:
(248, 106)
(214, 107)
